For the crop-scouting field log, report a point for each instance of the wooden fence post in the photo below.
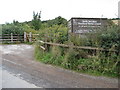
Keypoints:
(30, 37)
(11, 37)
(25, 37)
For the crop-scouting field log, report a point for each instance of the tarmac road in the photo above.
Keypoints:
(10, 80)
(19, 60)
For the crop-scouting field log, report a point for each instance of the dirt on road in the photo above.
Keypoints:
(19, 59)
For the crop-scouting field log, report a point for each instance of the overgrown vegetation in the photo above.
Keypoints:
(36, 26)
(12, 28)
(89, 61)
(55, 33)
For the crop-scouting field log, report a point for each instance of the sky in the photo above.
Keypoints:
(22, 10)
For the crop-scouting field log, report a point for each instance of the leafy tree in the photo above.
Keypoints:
(57, 21)
(15, 22)
(11, 28)
(36, 22)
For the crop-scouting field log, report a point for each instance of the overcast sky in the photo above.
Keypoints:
(22, 10)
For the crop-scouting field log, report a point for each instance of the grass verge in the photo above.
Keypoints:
(71, 60)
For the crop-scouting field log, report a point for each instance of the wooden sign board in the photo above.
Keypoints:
(86, 25)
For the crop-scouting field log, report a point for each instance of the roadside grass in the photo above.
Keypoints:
(94, 62)
(81, 65)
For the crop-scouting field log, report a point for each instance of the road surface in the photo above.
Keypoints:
(19, 60)
(10, 80)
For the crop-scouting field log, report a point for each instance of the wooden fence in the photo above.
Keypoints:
(11, 38)
(32, 38)
(72, 46)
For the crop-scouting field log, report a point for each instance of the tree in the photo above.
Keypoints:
(11, 28)
(15, 22)
(36, 22)
(57, 21)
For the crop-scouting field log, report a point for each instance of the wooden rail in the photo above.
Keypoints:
(79, 47)
(18, 37)
(11, 37)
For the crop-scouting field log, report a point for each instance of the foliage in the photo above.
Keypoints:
(73, 60)
(56, 33)
(110, 38)
(57, 21)
(101, 64)
(36, 22)
(89, 61)
(28, 29)
(78, 40)
(11, 28)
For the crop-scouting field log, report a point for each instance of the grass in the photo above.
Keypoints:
(68, 61)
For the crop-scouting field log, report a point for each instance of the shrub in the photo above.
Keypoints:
(11, 28)
(110, 38)
(54, 34)
(92, 61)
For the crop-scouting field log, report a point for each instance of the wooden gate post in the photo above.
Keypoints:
(11, 37)
(30, 37)
(25, 37)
